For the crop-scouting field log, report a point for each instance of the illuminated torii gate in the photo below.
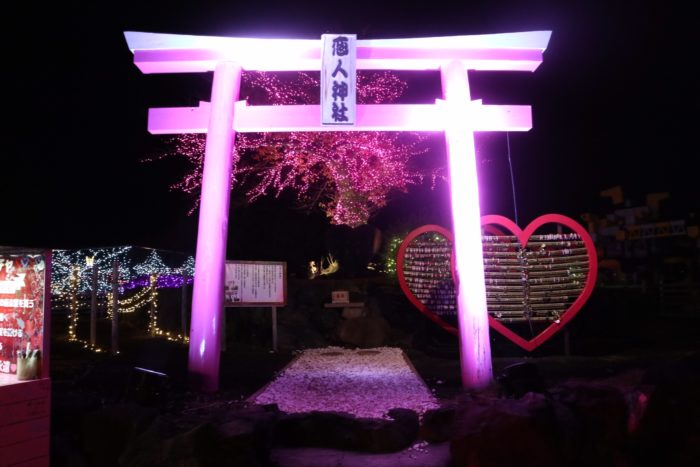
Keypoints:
(457, 115)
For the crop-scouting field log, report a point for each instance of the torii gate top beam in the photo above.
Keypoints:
(175, 53)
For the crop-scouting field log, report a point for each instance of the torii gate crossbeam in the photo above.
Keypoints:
(456, 115)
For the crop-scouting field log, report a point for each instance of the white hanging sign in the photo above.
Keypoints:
(338, 83)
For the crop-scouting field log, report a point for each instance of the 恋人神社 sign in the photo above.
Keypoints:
(338, 83)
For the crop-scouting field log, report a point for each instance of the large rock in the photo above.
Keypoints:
(394, 436)
(203, 445)
(325, 321)
(507, 432)
(366, 331)
(437, 424)
(343, 431)
(199, 446)
(317, 429)
(669, 429)
(106, 432)
(296, 331)
(599, 422)
(248, 436)
(518, 379)
(244, 439)
(146, 449)
(243, 442)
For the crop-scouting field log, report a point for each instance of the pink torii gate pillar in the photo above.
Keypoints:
(457, 115)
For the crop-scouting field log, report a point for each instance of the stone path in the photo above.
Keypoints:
(362, 382)
(421, 455)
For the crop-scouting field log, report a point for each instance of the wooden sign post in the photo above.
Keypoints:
(256, 284)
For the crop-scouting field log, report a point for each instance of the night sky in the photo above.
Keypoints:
(608, 109)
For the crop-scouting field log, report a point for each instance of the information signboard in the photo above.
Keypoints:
(255, 283)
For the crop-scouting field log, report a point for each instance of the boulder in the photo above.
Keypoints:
(246, 441)
(336, 430)
(669, 429)
(366, 331)
(518, 379)
(392, 436)
(199, 446)
(106, 432)
(601, 414)
(244, 438)
(504, 432)
(436, 425)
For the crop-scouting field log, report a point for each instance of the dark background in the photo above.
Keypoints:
(609, 108)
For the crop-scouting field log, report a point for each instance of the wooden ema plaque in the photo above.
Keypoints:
(536, 281)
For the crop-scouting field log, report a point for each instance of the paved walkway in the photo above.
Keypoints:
(366, 383)
(421, 455)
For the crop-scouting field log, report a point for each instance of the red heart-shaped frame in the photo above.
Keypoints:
(489, 222)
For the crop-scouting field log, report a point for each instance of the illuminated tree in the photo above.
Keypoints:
(349, 175)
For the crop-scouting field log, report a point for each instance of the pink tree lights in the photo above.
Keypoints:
(457, 116)
(348, 175)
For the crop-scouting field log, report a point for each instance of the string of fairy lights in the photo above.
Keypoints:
(76, 273)
(348, 176)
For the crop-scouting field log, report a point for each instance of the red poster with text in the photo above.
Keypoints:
(22, 283)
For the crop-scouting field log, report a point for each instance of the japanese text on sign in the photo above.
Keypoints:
(251, 283)
(22, 287)
(338, 83)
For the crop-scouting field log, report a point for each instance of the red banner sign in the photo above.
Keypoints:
(22, 284)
